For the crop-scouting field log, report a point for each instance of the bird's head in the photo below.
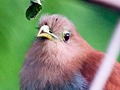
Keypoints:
(56, 28)
(57, 38)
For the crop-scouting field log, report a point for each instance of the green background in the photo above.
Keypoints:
(94, 23)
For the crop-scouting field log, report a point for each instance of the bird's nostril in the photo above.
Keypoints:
(42, 31)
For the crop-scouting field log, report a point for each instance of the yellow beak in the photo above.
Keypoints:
(45, 32)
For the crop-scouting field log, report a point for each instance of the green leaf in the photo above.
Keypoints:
(34, 9)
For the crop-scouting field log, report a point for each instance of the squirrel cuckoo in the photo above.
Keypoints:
(60, 59)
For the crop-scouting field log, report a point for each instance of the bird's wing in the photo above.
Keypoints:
(113, 82)
(117, 69)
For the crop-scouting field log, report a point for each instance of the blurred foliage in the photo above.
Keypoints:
(34, 9)
(93, 22)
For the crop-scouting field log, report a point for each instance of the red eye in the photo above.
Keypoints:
(66, 37)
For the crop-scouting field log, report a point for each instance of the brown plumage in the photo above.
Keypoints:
(60, 58)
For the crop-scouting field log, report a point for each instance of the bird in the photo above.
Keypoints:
(60, 59)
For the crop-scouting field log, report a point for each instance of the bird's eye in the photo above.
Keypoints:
(66, 36)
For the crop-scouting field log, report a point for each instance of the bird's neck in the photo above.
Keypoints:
(91, 64)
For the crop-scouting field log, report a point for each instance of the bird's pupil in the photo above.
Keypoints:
(66, 37)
